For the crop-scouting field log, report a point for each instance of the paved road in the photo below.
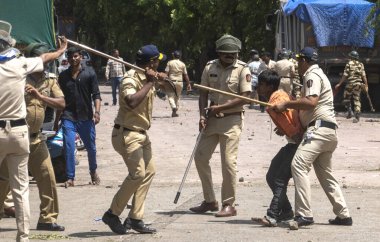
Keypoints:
(356, 164)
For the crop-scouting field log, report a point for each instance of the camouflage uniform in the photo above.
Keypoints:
(354, 71)
(296, 80)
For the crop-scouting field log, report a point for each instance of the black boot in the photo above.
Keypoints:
(114, 223)
(139, 226)
(174, 113)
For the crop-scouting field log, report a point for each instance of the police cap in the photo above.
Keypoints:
(308, 53)
(228, 44)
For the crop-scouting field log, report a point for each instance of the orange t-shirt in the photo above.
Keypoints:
(288, 121)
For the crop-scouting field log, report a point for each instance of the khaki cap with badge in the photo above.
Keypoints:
(228, 44)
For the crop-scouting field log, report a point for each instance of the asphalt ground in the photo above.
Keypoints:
(356, 166)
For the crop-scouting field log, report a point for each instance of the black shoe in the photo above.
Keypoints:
(50, 227)
(341, 221)
(139, 226)
(114, 223)
(303, 221)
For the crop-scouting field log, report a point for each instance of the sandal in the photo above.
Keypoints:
(69, 183)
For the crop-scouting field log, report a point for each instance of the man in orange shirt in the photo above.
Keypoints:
(279, 172)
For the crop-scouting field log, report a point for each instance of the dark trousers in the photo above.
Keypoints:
(278, 177)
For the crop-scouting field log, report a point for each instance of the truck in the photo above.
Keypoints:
(334, 28)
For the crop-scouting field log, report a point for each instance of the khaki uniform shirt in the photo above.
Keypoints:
(285, 69)
(139, 118)
(235, 78)
(12, 85)
(315, 82)
(175, 69)
(354, 71)
(47, 86)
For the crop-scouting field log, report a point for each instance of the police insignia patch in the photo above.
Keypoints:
(248, 77)
(309, 83)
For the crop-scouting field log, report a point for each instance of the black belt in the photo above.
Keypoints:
(324, 124)
(222, 115)
(14, 123)
(117, 126)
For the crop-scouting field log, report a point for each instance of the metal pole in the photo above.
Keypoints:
(188, 167)
(232, 95)
(105, 55)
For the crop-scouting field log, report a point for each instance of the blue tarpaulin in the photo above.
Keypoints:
(335, 22)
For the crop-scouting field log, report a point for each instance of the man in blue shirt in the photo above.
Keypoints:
(80, 87)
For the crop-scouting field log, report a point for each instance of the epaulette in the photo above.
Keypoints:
(211, 62)
(242, 63)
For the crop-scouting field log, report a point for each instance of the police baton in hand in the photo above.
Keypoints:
(104, 55)
(232, 95)
(364, 88)
(188, 167)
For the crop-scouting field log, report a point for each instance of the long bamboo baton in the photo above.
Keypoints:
(232, 95)
(188, 167)
(96, 52)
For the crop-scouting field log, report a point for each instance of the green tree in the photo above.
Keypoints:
(191, 26)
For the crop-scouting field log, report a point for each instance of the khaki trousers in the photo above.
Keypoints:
(136, 150)
(225, 132)
(5, 190)
(317, 152)
(172, 97)
(14, 151)
(42, 170)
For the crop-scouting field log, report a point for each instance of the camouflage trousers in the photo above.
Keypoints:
(352, 92)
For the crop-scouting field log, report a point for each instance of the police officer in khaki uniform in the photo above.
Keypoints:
(286, 70)
(131, 141)
(221, 123)
(355, 74)
(177, 72)
(316, 113)
(14, 135)
(42, 90)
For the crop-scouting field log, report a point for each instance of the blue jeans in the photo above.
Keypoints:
(115, 81)
(86, 131)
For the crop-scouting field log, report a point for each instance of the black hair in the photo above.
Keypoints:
(114, 51)
(72, 50)
(266, 53)
(270, 77)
